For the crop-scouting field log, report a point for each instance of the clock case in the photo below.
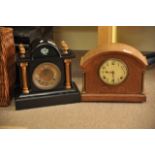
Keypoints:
(130, 90)
(38, 97)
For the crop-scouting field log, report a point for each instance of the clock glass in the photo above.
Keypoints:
(46, 76)
(113, 71)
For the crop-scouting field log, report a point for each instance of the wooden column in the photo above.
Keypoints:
(83, 82)
(68, 79)
(114, 34)
(67, 64)
(106, 35)
(23, 66)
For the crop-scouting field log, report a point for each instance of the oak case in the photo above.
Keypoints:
(130, 90)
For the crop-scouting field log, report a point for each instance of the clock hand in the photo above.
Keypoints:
(107, 72)
(113, 75)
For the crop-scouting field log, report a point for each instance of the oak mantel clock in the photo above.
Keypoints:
(114, 72)
(45, 75)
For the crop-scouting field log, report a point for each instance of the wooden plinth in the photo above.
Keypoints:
(113, 97)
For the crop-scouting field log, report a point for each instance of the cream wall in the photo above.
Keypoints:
(142, 37)
(85, 37)
(78, 38)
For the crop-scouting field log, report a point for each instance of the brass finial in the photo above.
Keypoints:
(64, 47)
(22, 50)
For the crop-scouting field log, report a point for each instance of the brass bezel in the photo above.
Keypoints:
(54, 69)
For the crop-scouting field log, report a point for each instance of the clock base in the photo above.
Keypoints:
(49, 98)
(85, 97)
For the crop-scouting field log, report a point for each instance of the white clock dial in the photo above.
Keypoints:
(113, 71)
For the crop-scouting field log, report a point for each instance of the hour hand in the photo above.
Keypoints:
(113, 74)
(107, 72)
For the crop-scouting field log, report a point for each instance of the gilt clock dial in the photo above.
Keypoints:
(46, 76)
(113, 71)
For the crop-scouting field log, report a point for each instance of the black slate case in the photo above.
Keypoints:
(38, 97)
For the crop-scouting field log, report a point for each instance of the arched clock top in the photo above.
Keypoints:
(42, 48)
(117, 48)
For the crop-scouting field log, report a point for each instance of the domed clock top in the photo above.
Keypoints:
(43, 48)
(117, 48)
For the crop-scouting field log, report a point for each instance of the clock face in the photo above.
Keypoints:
(46, 76)
(113, 71)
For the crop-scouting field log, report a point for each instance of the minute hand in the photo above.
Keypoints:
(113, 75)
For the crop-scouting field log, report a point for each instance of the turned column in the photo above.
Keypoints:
(23, 66)
(68, 76)
(67, 64)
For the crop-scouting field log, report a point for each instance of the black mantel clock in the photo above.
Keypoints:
(45, 75)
